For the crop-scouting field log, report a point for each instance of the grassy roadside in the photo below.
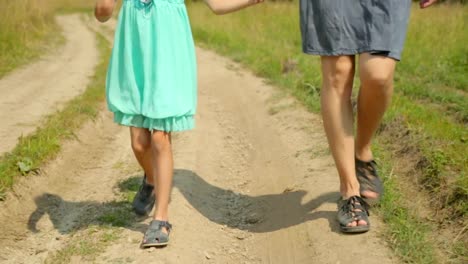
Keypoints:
(425, 130)
(28, 29)
(45, 142)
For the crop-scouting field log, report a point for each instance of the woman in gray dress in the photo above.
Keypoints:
(338, 30)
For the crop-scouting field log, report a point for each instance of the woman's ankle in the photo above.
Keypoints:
(348, 190)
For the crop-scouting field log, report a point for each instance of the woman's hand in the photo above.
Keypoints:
(426, 3)
(103, 10)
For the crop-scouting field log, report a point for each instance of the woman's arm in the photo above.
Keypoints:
(103, 9)
(221, 7)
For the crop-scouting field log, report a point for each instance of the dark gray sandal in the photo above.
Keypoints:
(351, 210)
(154, 236)
(368, 178)
(144, 199)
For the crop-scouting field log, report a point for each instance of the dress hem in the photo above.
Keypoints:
(168, 124)
(391, 54)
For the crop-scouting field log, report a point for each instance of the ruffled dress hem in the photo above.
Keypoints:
(169, 124)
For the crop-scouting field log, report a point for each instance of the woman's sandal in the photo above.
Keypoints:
(154, 236)
(351, 210)
(369, 180)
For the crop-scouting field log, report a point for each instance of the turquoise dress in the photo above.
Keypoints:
(152, 76)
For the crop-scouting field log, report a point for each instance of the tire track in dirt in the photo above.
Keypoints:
(254, 183)
(38, 89)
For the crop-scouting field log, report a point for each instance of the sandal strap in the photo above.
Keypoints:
(157, 225)
(155, 235)
(368, 176)
(358, 203)
(354, 208)
(370, 166)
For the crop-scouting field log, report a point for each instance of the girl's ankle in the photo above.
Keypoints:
(161, 218)
(364, 155)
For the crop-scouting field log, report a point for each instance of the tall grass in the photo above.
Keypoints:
(428, 116)
(436, 58)
(27, 27)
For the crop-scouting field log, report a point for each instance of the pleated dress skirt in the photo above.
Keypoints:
(348, 27)
(152, 76)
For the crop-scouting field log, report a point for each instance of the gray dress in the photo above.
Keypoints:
(347, 27)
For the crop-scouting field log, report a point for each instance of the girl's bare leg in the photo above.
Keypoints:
(337, 113)
(376, 74)
(163, 168)
(141, 145)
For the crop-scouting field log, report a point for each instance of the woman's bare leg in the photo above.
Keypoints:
(337, 113)
(376, 74)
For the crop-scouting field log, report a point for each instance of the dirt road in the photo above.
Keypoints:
(254, 183)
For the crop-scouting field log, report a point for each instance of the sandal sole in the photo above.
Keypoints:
(142, 213)
(371, 201)
(154, 245)
(356, 229)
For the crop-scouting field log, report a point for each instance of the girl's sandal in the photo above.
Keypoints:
(351, 210)
(154, 236)
(144, 199)
(369, 180)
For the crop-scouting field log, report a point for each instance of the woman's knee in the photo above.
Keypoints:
(378, 81)
(376, 73)
(338, 73)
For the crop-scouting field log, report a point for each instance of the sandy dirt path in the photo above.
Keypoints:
(40, 88)
(254, 183)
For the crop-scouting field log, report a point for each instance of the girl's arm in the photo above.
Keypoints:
(103, 9)
(221, 7)
(426, 3)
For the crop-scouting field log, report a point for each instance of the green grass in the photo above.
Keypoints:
(28, 29)
(120, 213)
(129, 188)
(44, 144)
(103, 228)
(408, 236)
(86, 245)
(442, 146)
(430, 107)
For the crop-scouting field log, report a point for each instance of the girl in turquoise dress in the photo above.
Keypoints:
(152, 88)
